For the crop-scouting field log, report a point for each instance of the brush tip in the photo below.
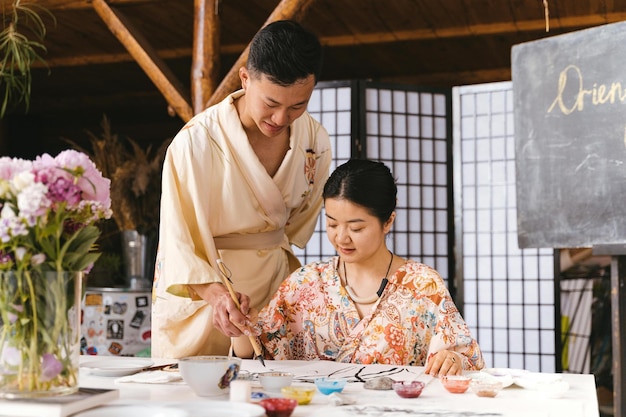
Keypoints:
(260, 358)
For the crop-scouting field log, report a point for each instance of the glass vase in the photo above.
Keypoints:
(39, 333)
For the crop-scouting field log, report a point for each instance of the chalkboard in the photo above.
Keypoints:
(570, 138)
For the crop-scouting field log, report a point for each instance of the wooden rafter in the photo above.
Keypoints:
(146, 57)
(205, 57)
(83, 4)
(500, 28)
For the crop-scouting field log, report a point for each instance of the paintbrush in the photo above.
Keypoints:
(225, 277)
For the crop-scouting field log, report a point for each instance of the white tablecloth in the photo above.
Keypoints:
(579, 400)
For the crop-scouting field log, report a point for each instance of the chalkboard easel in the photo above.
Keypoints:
(570, 149)
(570, 138)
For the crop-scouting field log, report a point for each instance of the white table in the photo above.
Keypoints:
(580, 400)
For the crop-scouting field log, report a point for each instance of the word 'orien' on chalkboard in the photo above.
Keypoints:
(570, 138)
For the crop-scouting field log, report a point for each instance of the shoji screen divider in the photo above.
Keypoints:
(409, 129)
(333, 105)
(508, 293)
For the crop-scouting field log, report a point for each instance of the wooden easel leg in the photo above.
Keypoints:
(618, 317)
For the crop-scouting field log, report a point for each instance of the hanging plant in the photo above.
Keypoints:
(18, 52)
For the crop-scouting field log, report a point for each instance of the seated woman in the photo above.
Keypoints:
(365, 305)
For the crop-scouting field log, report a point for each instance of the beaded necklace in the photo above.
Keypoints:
(371, 299)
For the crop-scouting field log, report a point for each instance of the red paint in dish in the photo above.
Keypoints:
(408, 389)
(278, 407)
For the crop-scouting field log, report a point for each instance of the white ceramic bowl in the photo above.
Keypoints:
(486, 388)
(209, 376)
(275, 381)
(505, 375)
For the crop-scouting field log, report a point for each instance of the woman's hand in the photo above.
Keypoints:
(444, 362)
(227, 318)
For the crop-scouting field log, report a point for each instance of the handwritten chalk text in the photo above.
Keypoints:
(575, 98)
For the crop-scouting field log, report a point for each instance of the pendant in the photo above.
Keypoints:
(361, 300)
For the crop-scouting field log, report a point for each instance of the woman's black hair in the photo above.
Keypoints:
(366, 183)
(285, 52)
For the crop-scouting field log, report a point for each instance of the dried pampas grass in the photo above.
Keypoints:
(135, 176)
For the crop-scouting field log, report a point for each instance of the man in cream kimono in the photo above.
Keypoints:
(242, 182)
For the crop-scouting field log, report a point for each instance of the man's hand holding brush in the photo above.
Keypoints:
(227, 316)
(233, 317)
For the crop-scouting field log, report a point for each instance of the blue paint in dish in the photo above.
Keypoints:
(328, 386)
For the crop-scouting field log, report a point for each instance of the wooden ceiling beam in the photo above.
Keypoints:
(363, 39)
(499, 28)
(447, 79)
(53, 5)
(146, 57)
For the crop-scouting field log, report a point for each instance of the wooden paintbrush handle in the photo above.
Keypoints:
(223, 276)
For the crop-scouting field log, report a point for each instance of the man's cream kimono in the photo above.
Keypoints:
(217, 194)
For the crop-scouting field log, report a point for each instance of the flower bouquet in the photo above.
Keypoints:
(48, 213)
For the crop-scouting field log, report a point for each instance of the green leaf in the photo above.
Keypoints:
(18, 52)
(85, 261)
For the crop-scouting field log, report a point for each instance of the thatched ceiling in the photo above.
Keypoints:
(422, 42)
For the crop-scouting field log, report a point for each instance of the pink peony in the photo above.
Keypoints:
(64, 189)
(90, 180)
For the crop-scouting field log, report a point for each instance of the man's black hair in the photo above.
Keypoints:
(285, 52)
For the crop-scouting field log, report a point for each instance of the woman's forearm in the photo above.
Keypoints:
(242, 347)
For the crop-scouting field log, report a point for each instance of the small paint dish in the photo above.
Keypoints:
(328, 386)
(302, 394)
(408, 389)
(486, 387)
(275, 381)
(278, 407)
(456, 384)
